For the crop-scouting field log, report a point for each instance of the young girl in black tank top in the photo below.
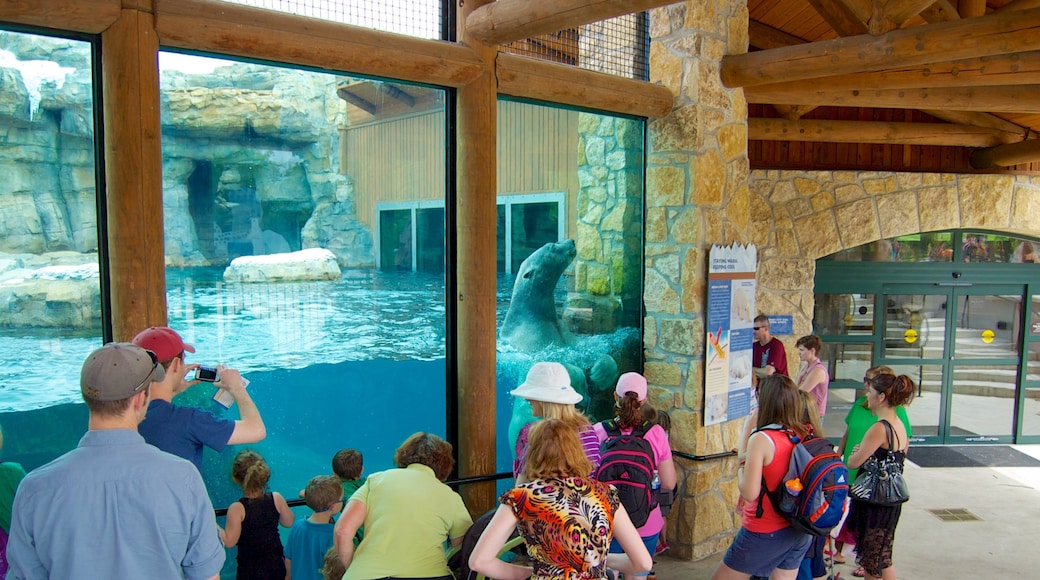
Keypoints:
(252, 521)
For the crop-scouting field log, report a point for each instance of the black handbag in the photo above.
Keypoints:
(880, 482)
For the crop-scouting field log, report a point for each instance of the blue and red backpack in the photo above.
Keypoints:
(825, 485)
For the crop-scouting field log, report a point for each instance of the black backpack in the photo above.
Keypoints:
(628, 463)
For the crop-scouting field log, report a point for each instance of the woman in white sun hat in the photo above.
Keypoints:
(548, 389)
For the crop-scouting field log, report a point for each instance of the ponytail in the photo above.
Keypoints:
(629, 416)
(897, 390)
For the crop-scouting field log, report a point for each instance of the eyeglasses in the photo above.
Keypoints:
(758, 327)
(148, 379)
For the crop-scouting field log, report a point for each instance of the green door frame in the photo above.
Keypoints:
(958, 279)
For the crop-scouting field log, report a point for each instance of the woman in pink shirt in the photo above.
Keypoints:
(629, 396)
(813, 376)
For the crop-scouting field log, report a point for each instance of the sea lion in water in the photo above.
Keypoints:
(531, 323)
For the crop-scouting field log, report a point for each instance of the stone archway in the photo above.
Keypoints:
(798, 217)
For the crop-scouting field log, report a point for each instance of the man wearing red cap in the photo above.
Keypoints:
(183, 431)
(115, 507)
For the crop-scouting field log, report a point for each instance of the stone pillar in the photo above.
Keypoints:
(609, 215)
(696, 196)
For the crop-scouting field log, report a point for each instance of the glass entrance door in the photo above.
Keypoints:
(962, 346)
(987, 345)
(913, 327)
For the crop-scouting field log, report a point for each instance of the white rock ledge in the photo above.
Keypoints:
(309, 264)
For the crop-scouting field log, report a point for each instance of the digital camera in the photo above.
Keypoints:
(208, 374)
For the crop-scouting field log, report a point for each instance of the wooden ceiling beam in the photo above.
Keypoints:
(1016, 99)
(1021, 68)
(1000, 33)
(246, 31)
(899, 11)
(1007, 155)
(841, 16)
(530, 78)
(1017, 5)
(940, 11)
(508, 20)
(971, 8)
(765, 37)
(883, 133)
(91, 16)
(1014, 133)
(793, 112)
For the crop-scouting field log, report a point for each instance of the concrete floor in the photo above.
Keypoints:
(1004, 543)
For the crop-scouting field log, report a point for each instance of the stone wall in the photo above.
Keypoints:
(47, 201)
(250, 162)
(798, 217)
(696, 195)
(242, 130)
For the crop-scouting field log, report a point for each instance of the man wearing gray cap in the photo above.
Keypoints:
(115, 507)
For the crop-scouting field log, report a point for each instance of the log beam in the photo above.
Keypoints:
(1017, 5)
(841, 16)
(971, 8)
(899, 11)
(508, 20)
(1016, 99)
(793, 112)
(1000, 33)
(133, 175)
(1013, 133)
(765, 37)
(1007, 155)
(473, 261)
(1022, 68)
(91, 16)
(940, 11)
(872, 132)
(245, 31)
(520, 76)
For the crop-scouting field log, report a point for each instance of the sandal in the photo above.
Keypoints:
(859, 572)
(838, 559)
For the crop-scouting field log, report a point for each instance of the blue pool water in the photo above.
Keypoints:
(358, 362)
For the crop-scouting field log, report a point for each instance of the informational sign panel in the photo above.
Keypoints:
(783, 324)
(730, 332)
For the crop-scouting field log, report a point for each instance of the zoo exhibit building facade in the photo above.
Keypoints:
(480, 156)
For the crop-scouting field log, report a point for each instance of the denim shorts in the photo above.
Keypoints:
(649, 541)
(759, 554)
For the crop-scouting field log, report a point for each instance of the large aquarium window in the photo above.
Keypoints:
(50, 298)
(570, 235)
(276, 185)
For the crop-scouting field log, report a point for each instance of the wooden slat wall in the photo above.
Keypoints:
(398, 160)
(403, 159)
(538, 152)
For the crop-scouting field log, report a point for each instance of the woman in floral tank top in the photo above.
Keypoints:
(566, 518)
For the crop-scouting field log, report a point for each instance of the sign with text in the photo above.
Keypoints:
(730, 333)
(781, 324)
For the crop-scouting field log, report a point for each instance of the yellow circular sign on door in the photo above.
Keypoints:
(987, 336)
(910, 336)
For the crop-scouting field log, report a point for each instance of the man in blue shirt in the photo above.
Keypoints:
(183, 431)
(115, 507)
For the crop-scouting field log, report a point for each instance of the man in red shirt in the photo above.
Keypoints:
(768, 352)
